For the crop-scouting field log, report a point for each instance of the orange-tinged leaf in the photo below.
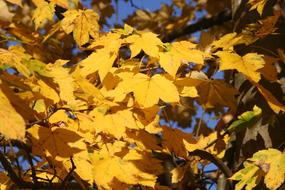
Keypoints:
(212, 92)
(274, 104)
(56, 142)
(83, 23)
(44, 12)
(173, 141)
(12, 124)
(148, 42)
(5, 182)
(248, 64)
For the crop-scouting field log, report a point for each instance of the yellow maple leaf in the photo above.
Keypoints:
(45, 90)
(65, 81)
(83, 23)
(12, 124)
(148, 42)
(148, 90)
(56, 142)
(269, 164)
(249, 64)
(258, 5)
(204, 143)
(228, 41)
(180, 52)
(186, 87)
(187, 51)
(101, 61)
(248, 176)
(44, 11)
(116, 123)
(14, 57)
(110, 166)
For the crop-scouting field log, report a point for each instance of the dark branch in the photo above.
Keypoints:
(218, 162)
(7, 166)
(202, 24)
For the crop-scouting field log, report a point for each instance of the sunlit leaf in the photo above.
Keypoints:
(12, 123)
(248, 64)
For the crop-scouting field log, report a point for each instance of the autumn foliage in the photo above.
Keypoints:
(85, 104)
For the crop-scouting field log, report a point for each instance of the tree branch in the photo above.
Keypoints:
(202, 24)
(218, 162)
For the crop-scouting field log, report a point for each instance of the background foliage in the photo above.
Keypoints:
(188, 96)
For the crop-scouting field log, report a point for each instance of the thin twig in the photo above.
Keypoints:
(199, 124)
(73, 167)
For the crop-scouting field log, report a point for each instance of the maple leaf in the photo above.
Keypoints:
(44, 89)
(186, 87)
(273, 103)
(206, 143)
(228, 41)
(61, 76)
(115, 124)
(172, 141)
(14, 57)
(258, 5)
(180, 52)
(101, 61)
(148, 90)
(248, 176)
(109, 167)
(12, 124)
(44, 11)
(269, 164)
(148, 42)
(212, 92)
(248, 64)
(55, 142)
(83, 23)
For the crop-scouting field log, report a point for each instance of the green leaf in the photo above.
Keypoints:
(247, 119)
